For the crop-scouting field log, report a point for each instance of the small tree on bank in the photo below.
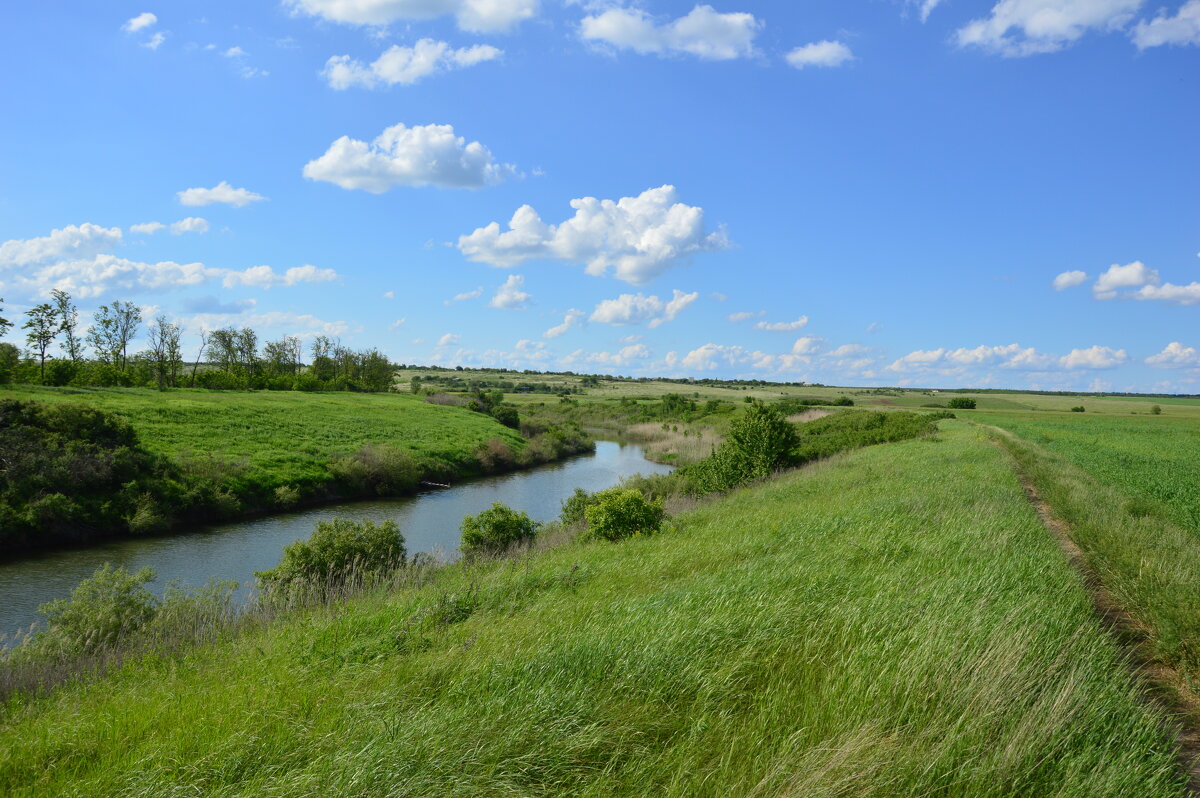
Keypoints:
(43, 327)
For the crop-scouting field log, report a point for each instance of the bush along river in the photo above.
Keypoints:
(236, 550)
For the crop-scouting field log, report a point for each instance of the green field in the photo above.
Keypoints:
(892, 622)
(273, 438)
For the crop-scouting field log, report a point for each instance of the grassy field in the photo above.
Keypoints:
(284, 437)
(892, 622)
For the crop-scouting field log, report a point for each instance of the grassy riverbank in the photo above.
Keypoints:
(229, 454)
(892, 622)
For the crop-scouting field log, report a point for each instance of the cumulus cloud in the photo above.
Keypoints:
(1070, 280)
(783, 326)
(623, 357)
(1181, 29)
(1010, 357)
(404, 65)
(155, 41)
(1131, 275)
(302, 324)
(146, 228)
(142, 20)
(637, 237)
(807, 345)
(73, 241)
(1175, 356)
(192, 224)
(1025, 27)
(848, 350)
(820, 54)
(422, 155)
(1169, 292)
(220, 193)
(266, 277)
(702, 32)
(464, 296)
(638, 309)
(478, 16)
(449, 339)
(509, 296)
(572, 318)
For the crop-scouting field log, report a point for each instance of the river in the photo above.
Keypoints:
(236, 550)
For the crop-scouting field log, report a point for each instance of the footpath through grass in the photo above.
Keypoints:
(895, 621)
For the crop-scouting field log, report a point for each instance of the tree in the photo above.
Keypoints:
(246, 346)
(282, 356)
(323, 366)
(114, 327)
(200, 355)
(129, 318)
(43, 327)
(68, 319)
(5, 324)
(165, 357)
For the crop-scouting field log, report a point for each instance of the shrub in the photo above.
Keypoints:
(382, 470)
(1156, 410)
(307, 382)
(758, 443)
(619, 513)
(1077, 409)
(575, 506)
(507, 415)
(60, 372)
(336, 549)
(843, 401)
(494, 454)
(286, 497)
(961, 403)
(102, 610)
(496, 529)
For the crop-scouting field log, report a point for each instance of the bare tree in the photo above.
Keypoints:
(129, 317)
(68, 319)
(204, 334)
(43, 329)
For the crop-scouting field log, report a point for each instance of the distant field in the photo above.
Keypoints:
(1154, 459)
(895, 622)
(284, 437)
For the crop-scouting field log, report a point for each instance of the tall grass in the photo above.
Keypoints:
(891, 622)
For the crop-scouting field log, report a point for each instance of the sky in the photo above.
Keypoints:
(935, 193)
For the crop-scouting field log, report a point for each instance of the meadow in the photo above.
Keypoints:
(892, 621)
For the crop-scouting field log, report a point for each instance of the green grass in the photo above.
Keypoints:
(1152, 460)
(894, 622)
(286, 437)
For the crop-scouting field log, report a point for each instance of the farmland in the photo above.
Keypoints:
(893, 637)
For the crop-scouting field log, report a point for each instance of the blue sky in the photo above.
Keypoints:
(861, 192)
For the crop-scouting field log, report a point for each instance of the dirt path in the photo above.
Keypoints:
(1163, 685)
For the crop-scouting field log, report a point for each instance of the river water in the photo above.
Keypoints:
(429, 521)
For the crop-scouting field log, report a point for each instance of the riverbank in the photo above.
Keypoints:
(200, 457)
(894, 621)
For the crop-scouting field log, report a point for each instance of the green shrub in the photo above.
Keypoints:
(102, 610)
(1156, 410)
(961, 403)
(382, 470)
(60, 372)
(758, 444)
(575, 506)
(1077, 409)
(336, 549)
(507, 415)
(619, 513)
(286, 497)
(496, 529)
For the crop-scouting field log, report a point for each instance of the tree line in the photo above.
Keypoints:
(227, 359)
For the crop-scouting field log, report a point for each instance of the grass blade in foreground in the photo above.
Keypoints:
(892, 622)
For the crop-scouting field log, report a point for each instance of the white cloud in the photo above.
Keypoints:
(142, 20)
(404, 65)
(638, 237)
(638, 309)
(397, 324)
(234, 52)
(744, 315)
(449, 339)
(479, 16)
(703, 32)
(192, 224)
(464, 296)
(927, 7)
(807, 345)
(848, 350)
(821, 54)
(389, 294)
(1169, 292)
(1181, 29)
(783, 326)
(421, 155)
(146, 228)
(220, 193)
(1026, 27)
(155, 41)
(266, 277)
(624, 357)
(1095, 357)
(953, 361)
(572, 318)
(1070, 280)
(1175, 356)
(304, 324)
(1131, 275)
(509, 296)
(73, 241)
